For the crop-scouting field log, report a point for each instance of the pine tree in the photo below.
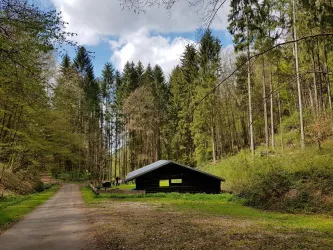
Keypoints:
(108, 97)
(66, 63)
(182, 86)
(82, 61)
(139, 70)
(204, 124)
(241, 26)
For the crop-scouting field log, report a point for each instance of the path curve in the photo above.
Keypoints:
(60, 223)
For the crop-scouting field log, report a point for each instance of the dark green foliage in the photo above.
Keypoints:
(82, 61)
(242, 23)
(84, 67)
(301, 191)
(65, 64)
(108, 76)
(204, 123)
(182, 85)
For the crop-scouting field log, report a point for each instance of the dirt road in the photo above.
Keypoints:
(60, 223)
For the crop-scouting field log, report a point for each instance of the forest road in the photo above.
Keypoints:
(58, 224)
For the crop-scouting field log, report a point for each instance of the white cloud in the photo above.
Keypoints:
(93, 20)
(98, 20)
(147, 48)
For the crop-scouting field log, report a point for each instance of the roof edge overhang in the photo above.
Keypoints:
(176, 163)
(143, 173)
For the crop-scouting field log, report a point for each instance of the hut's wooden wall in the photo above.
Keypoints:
(192, 182)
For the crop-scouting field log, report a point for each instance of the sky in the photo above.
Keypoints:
(117, 35)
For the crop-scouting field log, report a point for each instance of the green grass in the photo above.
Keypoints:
(270, 219)
(125, 186)
(90, 197)
(225, 205)
(12, 209)
(268, 181)
(239, 170)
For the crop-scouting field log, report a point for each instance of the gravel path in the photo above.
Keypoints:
(60, 223)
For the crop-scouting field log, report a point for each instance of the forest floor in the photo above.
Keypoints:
(175, 221)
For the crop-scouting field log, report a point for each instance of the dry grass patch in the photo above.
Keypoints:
(144, 225)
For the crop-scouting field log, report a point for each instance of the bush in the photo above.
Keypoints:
(39, 186)
(47, 186)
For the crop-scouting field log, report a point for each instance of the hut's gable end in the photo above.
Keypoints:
(176, 178)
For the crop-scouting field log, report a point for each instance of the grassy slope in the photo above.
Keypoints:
(241, 166)
(222, 205)
(266, 180)
(12, 209)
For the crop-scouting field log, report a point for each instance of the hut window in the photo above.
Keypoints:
(176, 181)
(164, 183)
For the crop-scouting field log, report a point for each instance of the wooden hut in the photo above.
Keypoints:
(168, 176)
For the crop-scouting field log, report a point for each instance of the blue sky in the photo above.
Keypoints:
(102, 52)
(116, 35)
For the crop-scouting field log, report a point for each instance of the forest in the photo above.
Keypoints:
(268, 94)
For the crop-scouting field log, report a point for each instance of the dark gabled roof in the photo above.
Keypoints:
(144, 170)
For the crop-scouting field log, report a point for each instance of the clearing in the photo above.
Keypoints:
(183, 221)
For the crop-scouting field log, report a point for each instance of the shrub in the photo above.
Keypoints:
(39, 186)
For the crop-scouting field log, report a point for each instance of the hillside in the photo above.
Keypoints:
(294, 180)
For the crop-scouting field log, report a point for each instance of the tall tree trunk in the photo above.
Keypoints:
(124, 155)
(313, 108)
(299, 90)
(229, 126)
(321, 92)
(158, 144)
(249, 88)
(280, 121)
(213, 144)
(272, 109)
(265, 104)
(116, 147)
(328, 86)
(111, 147)
(235, 130)
(314, 82)
(119, 156)
(125, 147)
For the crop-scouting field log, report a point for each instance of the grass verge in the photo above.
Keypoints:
(12, 209)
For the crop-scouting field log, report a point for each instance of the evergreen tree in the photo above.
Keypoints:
(242, 26)
(140, 70)
(66, 63)
(108, 96)
(204, 124)
(182, 85)
(82, 61)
